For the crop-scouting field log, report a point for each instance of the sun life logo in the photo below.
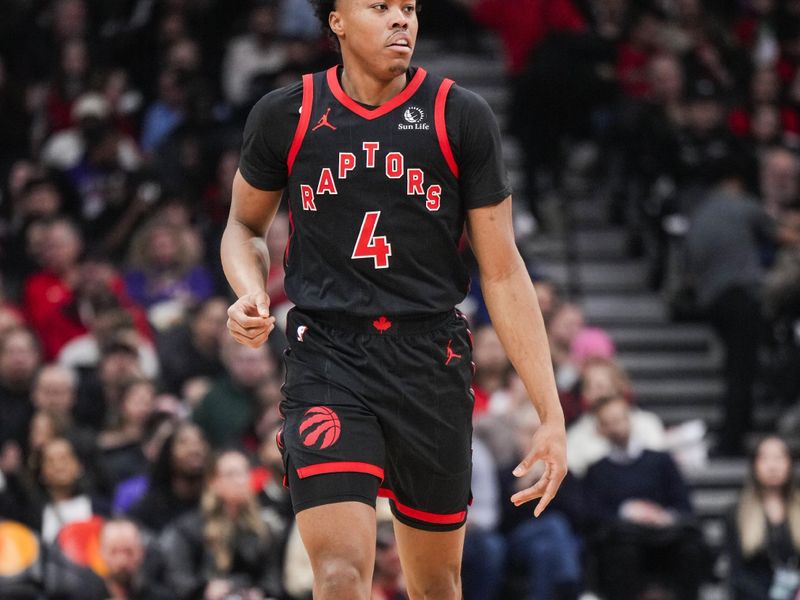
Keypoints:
(414, 117)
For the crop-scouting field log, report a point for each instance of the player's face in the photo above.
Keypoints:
(378, 35)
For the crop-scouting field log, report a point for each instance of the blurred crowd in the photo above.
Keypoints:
(137, 453)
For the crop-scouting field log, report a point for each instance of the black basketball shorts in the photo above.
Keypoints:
(379, 407)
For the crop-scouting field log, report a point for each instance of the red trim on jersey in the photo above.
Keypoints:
(305, 119)
(383, 109)
(441, 125)
(421, 515)
(340, 467)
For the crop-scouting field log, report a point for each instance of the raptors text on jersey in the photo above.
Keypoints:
(376, 213)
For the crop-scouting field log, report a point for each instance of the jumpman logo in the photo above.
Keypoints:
(450, 354)
(323, 122)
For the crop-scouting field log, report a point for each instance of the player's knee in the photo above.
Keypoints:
(445, 584)
(341, 578)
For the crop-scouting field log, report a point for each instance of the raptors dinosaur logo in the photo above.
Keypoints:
(320, 423)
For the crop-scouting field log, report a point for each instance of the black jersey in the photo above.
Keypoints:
(376, 199)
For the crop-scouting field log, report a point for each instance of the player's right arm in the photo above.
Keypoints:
(245, 260)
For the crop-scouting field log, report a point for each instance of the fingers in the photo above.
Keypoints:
(545, 489)
(547, 497)
(238, 312)
(253, 341)
(251, 331)
(250, 312)
(265, 326)
(261, 300)
(531, 493)
(527, 463)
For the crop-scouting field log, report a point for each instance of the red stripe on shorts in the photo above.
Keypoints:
(340, 467)
(421, 515)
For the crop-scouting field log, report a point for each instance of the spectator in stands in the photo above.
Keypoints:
(91, 114)
(782, 309)
(176, 481)
(216, 205)
(60, 297)
(764, 530)
(100, 390)
(191, 351)
(71, 80)
(255, 54)
(543, 554)
(20, 358)
(492, 370)
(548, 297)
(651, 161)
(565, 324)
(602, 378)
(61, 491)
(643, 41)
(387, 579)
(706, 144)
(484, 561)
(227, 413)
(163, 269)
(756, 30)
(37, 199)
(724, 245)
(156, 431)
(274, 499)
(108, 325)
(55, 391)
(44, 426)
(224, 547)
(123, 550)
(642, 517)
(167, 113)
(588, 344)
(120, 442)
(779, 180)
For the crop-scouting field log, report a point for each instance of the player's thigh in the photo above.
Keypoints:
(340, 540)
(431, 561)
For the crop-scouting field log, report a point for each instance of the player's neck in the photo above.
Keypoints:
(368, 89)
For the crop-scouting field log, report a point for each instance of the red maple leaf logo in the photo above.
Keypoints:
(382, 324)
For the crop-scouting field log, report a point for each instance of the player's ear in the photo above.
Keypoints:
(335, 23)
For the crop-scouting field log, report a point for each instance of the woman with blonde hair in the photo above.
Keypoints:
(224, 548)
(764, 531)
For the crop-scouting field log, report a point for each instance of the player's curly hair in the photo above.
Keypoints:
(323, 8)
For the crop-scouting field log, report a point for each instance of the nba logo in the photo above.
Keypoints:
(301, 332)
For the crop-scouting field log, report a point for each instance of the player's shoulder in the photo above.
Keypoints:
(463, 100)
(279, 102)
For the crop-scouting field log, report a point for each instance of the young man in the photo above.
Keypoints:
(382, 164)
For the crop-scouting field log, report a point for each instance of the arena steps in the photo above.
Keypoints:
(636, 307)
(602, 277)
(653, 340)
(685, 364)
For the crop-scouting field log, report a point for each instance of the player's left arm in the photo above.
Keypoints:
(517, 318)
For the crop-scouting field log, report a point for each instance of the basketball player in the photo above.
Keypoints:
(381, 165)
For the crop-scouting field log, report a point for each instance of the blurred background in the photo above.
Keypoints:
(653, 148)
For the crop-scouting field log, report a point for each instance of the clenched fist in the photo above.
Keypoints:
(249, 321)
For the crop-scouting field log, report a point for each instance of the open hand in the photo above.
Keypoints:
(249, 321)
(549, 446)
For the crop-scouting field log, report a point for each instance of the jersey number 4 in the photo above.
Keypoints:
(369, 246)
